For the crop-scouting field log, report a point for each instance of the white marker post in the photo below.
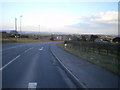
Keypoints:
(65, 44)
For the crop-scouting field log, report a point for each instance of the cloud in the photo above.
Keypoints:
(110, 17)
(103, 22)
(51, 20)
(105, 17)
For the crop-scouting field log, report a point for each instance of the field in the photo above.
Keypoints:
(13, 40)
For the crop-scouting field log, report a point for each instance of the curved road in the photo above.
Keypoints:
(30, 65)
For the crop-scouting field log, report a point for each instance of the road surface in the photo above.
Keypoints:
(36, 65)
(31, 65)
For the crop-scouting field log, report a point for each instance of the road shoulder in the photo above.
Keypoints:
(90, 75)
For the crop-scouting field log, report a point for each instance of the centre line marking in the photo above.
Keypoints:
(27, 50)
(32, 86)
(9, 62)
(41, 48)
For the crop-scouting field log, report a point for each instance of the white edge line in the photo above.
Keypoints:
(65, 67)
(9, 62)
(68, 70)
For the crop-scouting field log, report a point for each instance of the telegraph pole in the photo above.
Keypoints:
(16, 24)
(16, 28)
(39, 31)
(20, 25)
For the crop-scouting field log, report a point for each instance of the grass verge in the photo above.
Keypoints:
(109, 63)
(13, 40)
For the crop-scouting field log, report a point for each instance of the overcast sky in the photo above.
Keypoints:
(70, 17)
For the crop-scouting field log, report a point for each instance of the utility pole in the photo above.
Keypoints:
(20, 25)
(16, 27)
(39, 31)
(16, 24)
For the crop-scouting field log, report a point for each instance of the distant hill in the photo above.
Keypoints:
(63, 33)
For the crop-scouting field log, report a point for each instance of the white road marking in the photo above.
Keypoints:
(32, 86)
(9, 62)
(79, 84)
(41, 48)
(11, 47)
(27, 50)
(14, 59)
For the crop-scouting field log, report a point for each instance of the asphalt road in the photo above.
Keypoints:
(26, 65)
(34, 65)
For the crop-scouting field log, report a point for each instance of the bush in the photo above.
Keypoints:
(52, 39)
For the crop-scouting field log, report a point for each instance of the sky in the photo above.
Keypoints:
(69, 16)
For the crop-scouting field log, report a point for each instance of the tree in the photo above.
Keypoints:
(14, 33)
(52, 38)
(93, 37)
(83, 38)
(117, 39)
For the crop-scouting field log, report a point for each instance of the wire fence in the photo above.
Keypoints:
(97, 47)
